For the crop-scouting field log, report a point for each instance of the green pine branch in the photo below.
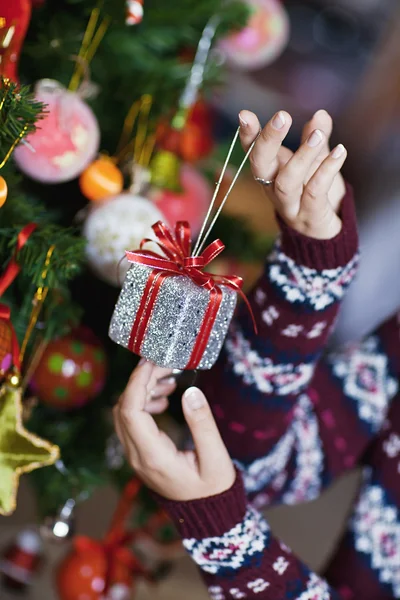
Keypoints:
(18, 115)
(131, 60)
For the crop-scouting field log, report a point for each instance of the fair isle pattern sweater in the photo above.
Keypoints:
(293, 421)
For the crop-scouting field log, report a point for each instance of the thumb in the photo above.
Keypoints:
(210, 448)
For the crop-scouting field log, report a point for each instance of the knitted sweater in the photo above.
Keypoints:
(294, 420)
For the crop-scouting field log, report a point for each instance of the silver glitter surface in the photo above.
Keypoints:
(175, 322)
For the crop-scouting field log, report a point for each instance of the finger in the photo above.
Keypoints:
(320, 120)
(138, 424)
(321, 182)
(163, 389)
(291, 178)
(158, 374)
(206, 437)
(117, 424)
(264, 157)
(249, 128)
(129, 449)
(284, 155)
(157, 406)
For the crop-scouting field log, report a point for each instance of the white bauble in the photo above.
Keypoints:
(115, 226)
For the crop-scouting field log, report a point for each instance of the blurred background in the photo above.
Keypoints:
(157, 89)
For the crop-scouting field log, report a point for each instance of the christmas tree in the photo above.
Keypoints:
(120, 72)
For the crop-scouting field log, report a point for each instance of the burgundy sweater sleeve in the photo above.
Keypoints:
(259, 388)
(237, 554)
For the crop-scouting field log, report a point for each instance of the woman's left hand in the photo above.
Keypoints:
(206, 471)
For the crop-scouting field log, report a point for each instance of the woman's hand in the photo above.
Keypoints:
(176, 475)
(307, 185)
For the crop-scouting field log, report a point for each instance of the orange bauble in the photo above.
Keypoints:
(101, 179)
(3, 190)
(82, 574)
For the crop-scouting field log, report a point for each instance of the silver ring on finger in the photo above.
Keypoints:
(265, 182)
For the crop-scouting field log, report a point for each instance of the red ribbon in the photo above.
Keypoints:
(6, 280)
(5, 317)
(177, 261)
(13, 267)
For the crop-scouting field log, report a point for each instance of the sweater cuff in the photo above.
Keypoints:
(208, 517)
(324, 254)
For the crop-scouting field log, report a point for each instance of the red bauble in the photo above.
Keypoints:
(83, 573)
(195, 141)
(71, 371)
(14, 14)
(191, 204)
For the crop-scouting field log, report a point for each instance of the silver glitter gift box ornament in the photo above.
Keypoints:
(170, 311)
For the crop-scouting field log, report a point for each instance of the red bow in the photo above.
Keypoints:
(178, 260)
(13, 267)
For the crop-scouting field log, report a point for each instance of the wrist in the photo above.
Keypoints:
(209, 516)
(327, 229)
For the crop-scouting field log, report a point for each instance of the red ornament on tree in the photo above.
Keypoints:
(21, 560)
(94, 572)
(103, 570)
(195, 140)
(71, 371)
(190, 203)
(83, 572)
(15, 16)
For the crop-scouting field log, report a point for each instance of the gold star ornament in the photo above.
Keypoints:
(20, 450)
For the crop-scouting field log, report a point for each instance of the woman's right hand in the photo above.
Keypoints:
(307, 187)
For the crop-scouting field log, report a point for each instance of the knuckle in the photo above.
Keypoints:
(126, 414)
(281, 187)
(302, 159)
(267, 135)
(254, 162)
(134, 463)
(312, 191)
(151, 463)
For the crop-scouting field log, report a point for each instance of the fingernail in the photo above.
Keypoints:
(194, 398)
(338, 151)
(315, 138)
(169, 381)
(242, 121)
(279, 120)
(142, 361)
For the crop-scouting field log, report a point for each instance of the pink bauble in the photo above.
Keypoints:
(189, 205)
(262, 40)
(66, 141)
